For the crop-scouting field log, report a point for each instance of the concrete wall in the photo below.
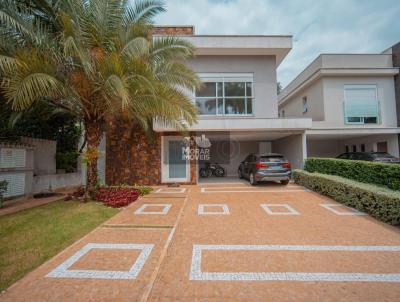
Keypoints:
(55, 181)
(293, 147)
(264, 69)
(44, 155)
(314, 94)
(324, 148)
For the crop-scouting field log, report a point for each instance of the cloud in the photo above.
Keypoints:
(324, 26)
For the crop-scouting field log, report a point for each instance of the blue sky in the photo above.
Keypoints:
(318, 26)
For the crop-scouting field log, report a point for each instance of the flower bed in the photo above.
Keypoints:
(117, 196)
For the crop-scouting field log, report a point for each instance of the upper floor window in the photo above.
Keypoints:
(361, 104)
(305, 105)
(225, 94)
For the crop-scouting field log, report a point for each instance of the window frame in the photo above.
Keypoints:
(362, 119)
(224, 78)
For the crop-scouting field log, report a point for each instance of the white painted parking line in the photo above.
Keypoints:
(350, 211)
(253, 190)
(197, 274)
(170, 190)
(63, 271)
(201, 210)
(269, 209)
(164, 211)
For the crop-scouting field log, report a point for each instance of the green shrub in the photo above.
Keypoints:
(363, 171)
(380, 202)
(143, 190)
(3, 189)
(67, 160)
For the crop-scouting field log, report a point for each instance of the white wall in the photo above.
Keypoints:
(44, 155)
(56, 181)
(326, 102)
(264, 69)
(314, 94)
(334, 97)
(293, 147)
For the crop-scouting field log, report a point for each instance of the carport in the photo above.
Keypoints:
(331, 143)
(230, 148)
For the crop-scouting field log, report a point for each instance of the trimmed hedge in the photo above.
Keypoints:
(379, 202)
(363, 171)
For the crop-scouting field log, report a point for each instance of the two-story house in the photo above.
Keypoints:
(238, 114)
(351, 101)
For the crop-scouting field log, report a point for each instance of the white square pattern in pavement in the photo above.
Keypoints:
(350, 211)
(268, 207)
(197, 274)
(63, 271)
(171, 190)
(164, 211)
(201, 210)
(210, 190)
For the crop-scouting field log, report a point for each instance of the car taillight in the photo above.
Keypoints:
(261, 165)
(286, 165)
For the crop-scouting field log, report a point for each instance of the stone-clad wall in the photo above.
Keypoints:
(131, 156)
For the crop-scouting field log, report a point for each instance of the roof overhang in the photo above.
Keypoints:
(243, 124)
(278, 46)
(345, 133)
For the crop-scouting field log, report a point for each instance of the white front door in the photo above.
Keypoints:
(174, 168)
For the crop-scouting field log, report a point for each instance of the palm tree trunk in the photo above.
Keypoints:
(93, 135)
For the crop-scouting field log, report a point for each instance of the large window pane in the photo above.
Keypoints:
(361, 104)
(219, 89)
(249, 88)
(207, 89)
(234, 89)
(220, 106)
(235, 106)
(206, 106)
(249, 106)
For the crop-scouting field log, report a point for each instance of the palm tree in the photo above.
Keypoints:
(96, 59)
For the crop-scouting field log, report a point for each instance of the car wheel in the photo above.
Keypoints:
(252, 179)
(285, 182)
(240, 173)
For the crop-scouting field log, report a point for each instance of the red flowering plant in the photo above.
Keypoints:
(117, 197)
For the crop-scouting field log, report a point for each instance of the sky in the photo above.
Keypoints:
(317, 26)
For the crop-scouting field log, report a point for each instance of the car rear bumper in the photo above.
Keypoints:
(273, 176)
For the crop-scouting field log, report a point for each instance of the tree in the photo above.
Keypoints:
(96, 59)
(278, 88)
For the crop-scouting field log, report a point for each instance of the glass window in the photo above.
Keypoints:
(225, 96)
(207, 89)
(305, 105)
(206, 106)
(361, 105)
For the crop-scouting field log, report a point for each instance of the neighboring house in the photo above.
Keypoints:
(238, 109)
(351, 101)
(395, 52)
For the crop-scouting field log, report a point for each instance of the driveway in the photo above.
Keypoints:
(225, 242)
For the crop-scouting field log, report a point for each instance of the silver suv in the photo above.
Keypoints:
(265, 167)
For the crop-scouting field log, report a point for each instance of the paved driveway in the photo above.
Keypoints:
(225, 242)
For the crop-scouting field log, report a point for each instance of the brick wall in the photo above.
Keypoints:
(173, 30)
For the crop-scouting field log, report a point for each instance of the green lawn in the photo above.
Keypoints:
(30, 237)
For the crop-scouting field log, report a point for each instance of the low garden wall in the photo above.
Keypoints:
(378, 201)
(368, 172)
(55, 181)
